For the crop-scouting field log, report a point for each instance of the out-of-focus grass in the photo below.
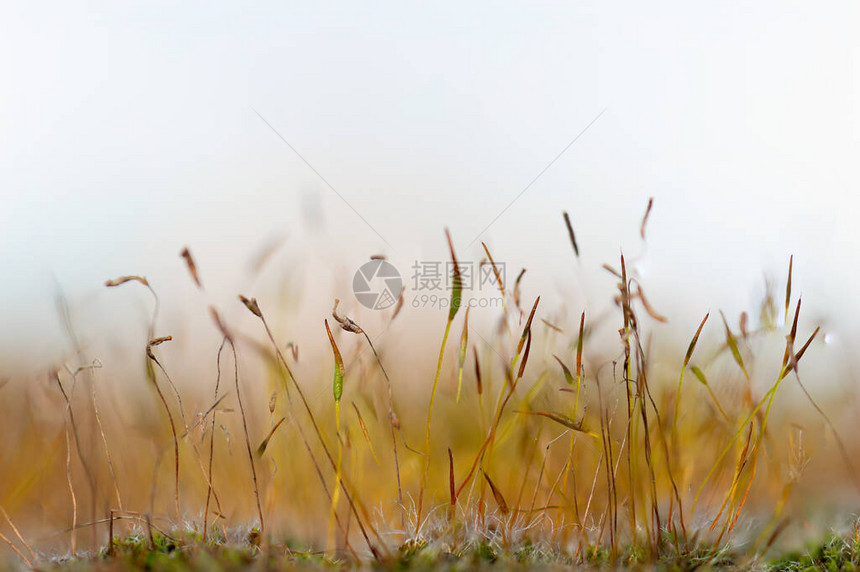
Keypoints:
(552, 448)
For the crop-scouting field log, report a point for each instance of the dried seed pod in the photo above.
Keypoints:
(251, 304)
(123, 279)
(192, 267)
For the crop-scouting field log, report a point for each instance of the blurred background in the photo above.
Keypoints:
(334, 131)
(286, 143)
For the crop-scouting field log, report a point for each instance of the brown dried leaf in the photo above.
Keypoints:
(645, 218)
(497, 494)
(525, 356)
(552, 326)
(123, 279)
(451, 487)
(695, 340)
(802, 351)
(528, 328)
(792, 336)
(495, 270)
(517, 290)
(648, 308)
(478, 372)
(612, 271)
(192, 267)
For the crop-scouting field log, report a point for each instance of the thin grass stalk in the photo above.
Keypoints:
(20, 554)
(212, 437)
(252, 305)
(107, 449)
(690, 349)
(154, 379)
(499, 281)
(582, 529)
(642, 389)
(77, 347)
(523, 344)
(17, 533)
(67, 397)
(578, 382)
(504, 397)
(626, 332)
(74, 536)
(319, 473)
(456, 292)
(553, 489)
(843, 450)
(247, 437)
(393, 422)
(187, 430)
(429, 422)
(337, 390)
(366, 434)
(661, 431)
(767, 398)
(786, 366)
(461, 357)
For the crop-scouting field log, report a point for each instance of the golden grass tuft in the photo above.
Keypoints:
(595, 449)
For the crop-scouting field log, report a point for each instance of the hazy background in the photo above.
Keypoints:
(130, 130)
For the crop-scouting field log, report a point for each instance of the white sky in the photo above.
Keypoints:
(128, 130)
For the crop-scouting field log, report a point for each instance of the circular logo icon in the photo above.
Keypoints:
(377, 284)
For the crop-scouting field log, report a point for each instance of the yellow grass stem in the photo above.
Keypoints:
(427, 427)
(456, 293)
(335, 497)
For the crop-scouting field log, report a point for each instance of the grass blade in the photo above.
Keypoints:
(497, 494)
(461, 357)
(495, 271)
(478, 383)
(733, 346)
(561, 419)
(451, 487)
(337, 384)
(262, 448)
(788, 287)
(457, 286)
(568, 377)
(365, 433)
(570, 233)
